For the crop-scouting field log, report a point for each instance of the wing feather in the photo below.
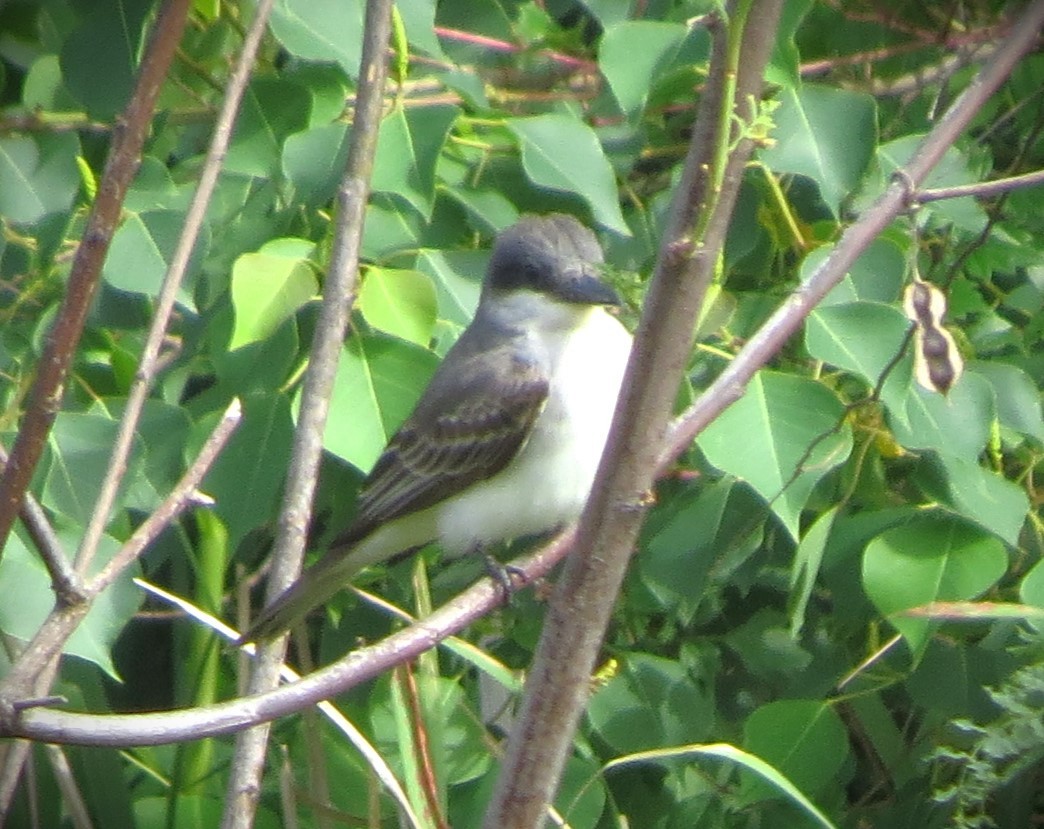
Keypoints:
(465, 429)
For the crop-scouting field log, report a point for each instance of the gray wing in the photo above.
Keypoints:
(467, 427)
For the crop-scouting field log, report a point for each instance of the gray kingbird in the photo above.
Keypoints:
(507, 437)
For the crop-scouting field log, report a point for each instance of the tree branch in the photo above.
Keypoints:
(362, 664)
(59, 625)
(120, 167)
(153, 729)
(64, 580)
(339, 292)
(148, 365)
(981, 189)
(770, 338)
(558, 683)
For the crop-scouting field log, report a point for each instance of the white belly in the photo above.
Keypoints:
(547, 484)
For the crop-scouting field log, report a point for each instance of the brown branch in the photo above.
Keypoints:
(14, 753)
(120, 167)
(46, 645)
(981, 189)
(50, 725)
(558, 683)
(64, 335)
(339, 292)
(771, 337)
(361, 665)
(953, 42)
(505, 46)
(149, 363)
(64, 580)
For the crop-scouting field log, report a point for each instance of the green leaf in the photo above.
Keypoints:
(399, 302)
(28, 597)
(650, 702)
(141, 252)
(44, 88)
(152, 189)
(878, 275)
(321, 30)
(99, 58)
(487, 206)
(38, 176)
(163, 431)
(457, 276)
(952, 679)
(1031, 590)
(79, 448)
(247, 477)
(982, 496)
(1017, 398)
(934, 557)
(743, 759)
(379, 380)
(313, 162)
(826, 134)
(563, 153)
(418, 16)
(803, 572)
(269, 287)
(780, 422)
(632, 54)
(391, 226)
(957, 424)
(862, 337)
(952, 170)
(804, 739)
(272, 110)
(408, 149)
(689, 536)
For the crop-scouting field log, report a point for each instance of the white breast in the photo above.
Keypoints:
(547, 484)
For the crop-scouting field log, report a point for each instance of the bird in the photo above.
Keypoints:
(506, 439)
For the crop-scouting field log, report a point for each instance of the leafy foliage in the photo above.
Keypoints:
(819, 582)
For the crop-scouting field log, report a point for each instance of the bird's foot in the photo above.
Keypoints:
(502, 575)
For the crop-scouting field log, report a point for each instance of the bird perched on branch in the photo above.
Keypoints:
(506, 439)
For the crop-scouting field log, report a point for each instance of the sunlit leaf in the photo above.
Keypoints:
(934, 557)
(803, 739)
(826, 134)
(563, 153)
(399, 302)
(379, 379)
(782, 436)
(270, 286)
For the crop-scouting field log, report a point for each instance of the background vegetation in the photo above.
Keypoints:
(842, 576)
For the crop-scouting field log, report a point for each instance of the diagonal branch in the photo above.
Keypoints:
(559, 681)
(288, 550)
(120, 167)
(149, 362)
(46, 645)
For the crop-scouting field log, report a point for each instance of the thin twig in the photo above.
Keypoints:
(48, 641)
(182, 496)
(981, 189)
(771, 337)
(72, 799)
(339, 290)
(63, 337)
(64, 579)
(147, 366)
